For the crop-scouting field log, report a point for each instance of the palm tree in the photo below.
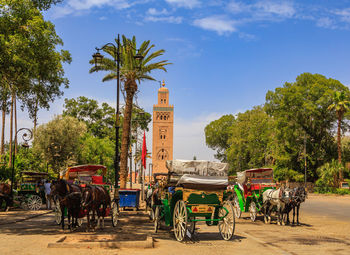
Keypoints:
(340, 105)
(131, 72)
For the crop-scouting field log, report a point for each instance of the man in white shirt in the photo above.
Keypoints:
(47, 186)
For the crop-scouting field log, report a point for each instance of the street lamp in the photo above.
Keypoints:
(150, 172)
(98, 57)
(27, 136)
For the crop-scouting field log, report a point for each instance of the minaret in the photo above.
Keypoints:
(163, 126)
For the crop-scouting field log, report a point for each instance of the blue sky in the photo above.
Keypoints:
(226, 54)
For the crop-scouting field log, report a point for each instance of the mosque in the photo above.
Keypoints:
(163, 131)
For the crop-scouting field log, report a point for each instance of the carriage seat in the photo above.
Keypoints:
(97, 179)
(189, 181)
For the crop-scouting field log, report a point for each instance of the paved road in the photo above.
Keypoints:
(328, 208)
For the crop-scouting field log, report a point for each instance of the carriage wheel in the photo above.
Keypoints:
(115, 213)
(180, 220)
(227, 224)
(192, 226)
(252, 211)
(34, 202)
(237, 208)
(156, 219)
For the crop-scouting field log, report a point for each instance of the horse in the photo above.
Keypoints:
(298, 196)
(275, 198)
(93, 198)
(5, 194)
(69, 196)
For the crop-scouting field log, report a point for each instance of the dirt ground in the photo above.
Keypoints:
(320, 233)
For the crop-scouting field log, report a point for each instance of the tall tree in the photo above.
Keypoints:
(23, 35)
(300, 109)
(340, 105)
(4, 101)
(99, 119)
(132, 71)
(59, 141)
(217, 134)
(250, 140)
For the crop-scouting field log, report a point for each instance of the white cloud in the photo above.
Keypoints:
(279, 8)
(237, 7)
(344, 14)
(264, 8)
(77, 7)
(168, 19)
(190, 4)
(326, 22)
(220, 24)
(155, 12)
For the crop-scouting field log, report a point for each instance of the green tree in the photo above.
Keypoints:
(217, 134)
(96, 150)
(131, 71)
(250, 140)
(340, 105)
(300, 109)
(98, 119)
(27, 45)
(59, 141)
(45, 4)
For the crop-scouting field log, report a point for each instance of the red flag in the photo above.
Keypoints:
(144, 150)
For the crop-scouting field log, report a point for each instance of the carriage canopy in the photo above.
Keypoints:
(255, 175)
(82, 170)
(197, 167)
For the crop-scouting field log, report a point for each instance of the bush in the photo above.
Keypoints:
(283, 174)
(328, 174)
(331, 190)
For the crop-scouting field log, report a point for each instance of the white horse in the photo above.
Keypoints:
(275, 199)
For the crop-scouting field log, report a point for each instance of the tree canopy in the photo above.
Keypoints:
(274, 135)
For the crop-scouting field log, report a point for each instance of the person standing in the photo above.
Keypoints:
(47, 186)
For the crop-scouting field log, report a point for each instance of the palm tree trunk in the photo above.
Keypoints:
(130, 88)
(35, 116)
(339, 145)
(11, 130)
(3, 128)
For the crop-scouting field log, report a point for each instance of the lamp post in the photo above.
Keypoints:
(150, 171)
(27, 136)
(98, 60)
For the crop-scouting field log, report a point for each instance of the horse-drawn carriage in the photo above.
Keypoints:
(31, 194)
(86, 176)
(249, 189)
(193, 191)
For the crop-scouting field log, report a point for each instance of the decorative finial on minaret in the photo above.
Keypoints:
(163, 84)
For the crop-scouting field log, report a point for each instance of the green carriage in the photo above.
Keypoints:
(189, 195)
(248, 191)
(31, 193)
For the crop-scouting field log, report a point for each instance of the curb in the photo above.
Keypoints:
(27, 218)
(148, 243)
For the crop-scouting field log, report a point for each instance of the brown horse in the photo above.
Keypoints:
(69, 196)
(5, 194)
(95, 199)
